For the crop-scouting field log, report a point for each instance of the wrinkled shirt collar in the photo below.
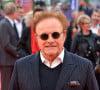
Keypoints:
(56, 62)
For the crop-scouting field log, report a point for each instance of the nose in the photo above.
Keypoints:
(50, 38)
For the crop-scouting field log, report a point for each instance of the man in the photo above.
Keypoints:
(72, 30)
(1, 14)
(95, 21)
(19, 22)
(53, 68)
(8, 43)
(95, 28)
(28, 44)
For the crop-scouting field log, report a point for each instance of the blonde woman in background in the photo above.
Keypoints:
(83, 42)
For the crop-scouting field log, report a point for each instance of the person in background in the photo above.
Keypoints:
(95, 21)
(1, 13)
(81, 11)
(83, 43)
(87, 8)
(72, 30)
(66, 71)
(19, 23)
(95, 28)
(28, 44)
(8, 45)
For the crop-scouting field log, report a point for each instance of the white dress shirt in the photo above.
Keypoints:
(95, 30)
(56, 62)
(19, 27)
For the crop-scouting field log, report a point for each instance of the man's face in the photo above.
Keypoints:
(19, 13)
(36, 14)
(49, 29)
(95, 17)
(75, 15)
(14, 16)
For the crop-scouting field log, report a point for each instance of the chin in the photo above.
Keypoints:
(51, 53)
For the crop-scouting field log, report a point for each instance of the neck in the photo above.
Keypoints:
(18, 20)
(86, 32)
(94, 25)
(50, 58)
(10, 16)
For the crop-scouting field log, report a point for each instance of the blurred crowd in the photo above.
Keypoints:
(17, 38)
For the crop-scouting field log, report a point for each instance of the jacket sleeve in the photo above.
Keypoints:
(97, 43)
(74, 44)
(23, 42)
(5, 40)
(9, 48)
(91, 83)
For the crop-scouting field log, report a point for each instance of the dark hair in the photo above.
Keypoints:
(81, 8)
(37, 10)
(96, 10)
(40, 3)
(19, 6)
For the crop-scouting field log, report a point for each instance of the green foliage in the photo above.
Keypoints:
(87, 1)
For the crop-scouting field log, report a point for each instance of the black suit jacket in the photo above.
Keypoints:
(8, 43)
(24, 45)
(26, 74)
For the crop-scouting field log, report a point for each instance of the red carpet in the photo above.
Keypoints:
(0, 81)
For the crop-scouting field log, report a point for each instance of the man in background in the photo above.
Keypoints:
(19, 21)
(8, 45)
(95, 21)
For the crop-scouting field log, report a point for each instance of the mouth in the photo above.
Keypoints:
(50, 46)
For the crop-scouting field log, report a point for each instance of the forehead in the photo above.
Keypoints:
(86, 21)
(37, 13)
(20, 10)
(95, 13)
(49, 25)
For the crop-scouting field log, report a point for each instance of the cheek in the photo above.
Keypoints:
(40, 42)
(60, 43)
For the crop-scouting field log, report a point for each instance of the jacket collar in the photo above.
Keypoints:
(66, 72)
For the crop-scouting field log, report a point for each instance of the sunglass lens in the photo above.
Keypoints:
(56, 35)
(44, 36)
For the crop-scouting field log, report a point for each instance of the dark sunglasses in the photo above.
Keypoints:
(45, 36)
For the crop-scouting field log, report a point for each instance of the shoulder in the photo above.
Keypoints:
(93, 34)
(26, 30)
(29, 58)
(77, 35)
(4, 23)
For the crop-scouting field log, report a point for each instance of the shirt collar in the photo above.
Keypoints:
(11, 21)
(61, 56)
(16, 21)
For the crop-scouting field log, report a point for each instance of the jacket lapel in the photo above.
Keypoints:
(66, 72)
(34, 66)
(12, 29)
(67, 69)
